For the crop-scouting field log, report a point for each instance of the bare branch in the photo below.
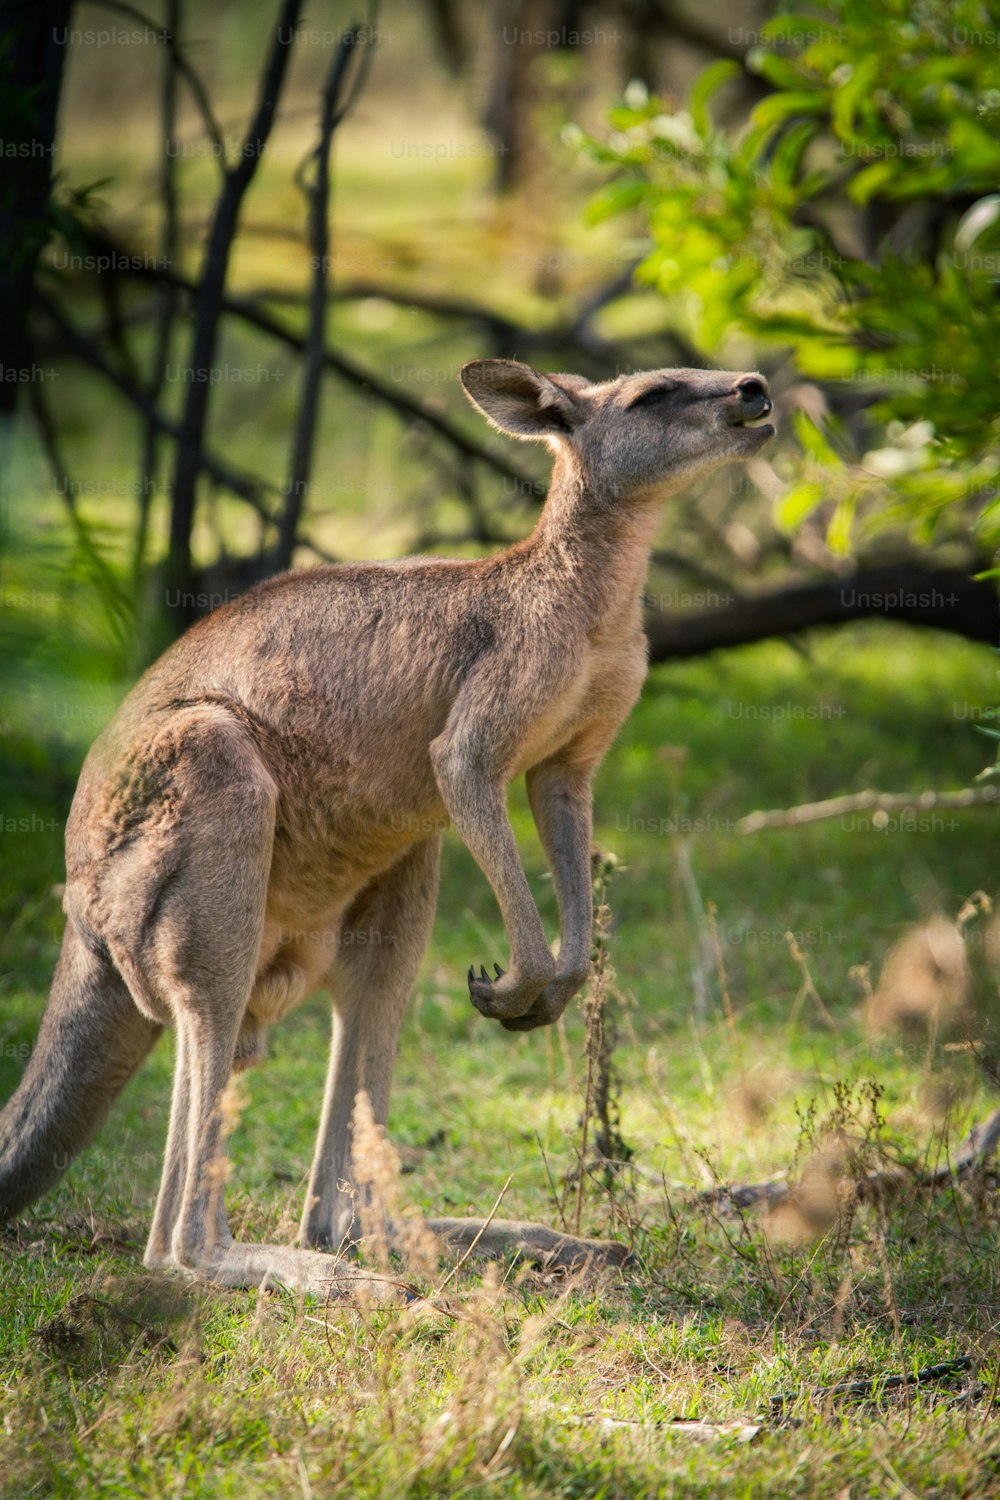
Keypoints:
(877, 802)
(168, 36)
(247, 486)
(318, 198)
(210, 296)
(169, 241)
(978, 1146)
(980, 1143)
(368, 381)
(874, 1385)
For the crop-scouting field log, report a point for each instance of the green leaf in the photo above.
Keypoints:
(615, 198)
(871, 180)
(839, 533)
(777, 108)
(788, 152)
(780, 71)
(975, 149)
(812, 440)
(796, 503)
(847, 96)
(709, 80)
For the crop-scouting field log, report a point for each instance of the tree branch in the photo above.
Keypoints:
(943, 598)
(169, 240)
(980, 1143)
(247, 486)
(209, 299)
(878, 802)
(396, 397)
(168, 36)
(318, 200)
(368, 381)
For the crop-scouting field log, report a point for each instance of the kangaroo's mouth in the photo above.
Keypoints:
(749, 417)
(750, 413)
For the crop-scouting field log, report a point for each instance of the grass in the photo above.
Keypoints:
(115, 1382)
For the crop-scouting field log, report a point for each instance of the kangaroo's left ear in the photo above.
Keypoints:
(521, 401)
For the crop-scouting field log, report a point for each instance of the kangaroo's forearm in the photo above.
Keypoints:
(476, 804)
(560, 801)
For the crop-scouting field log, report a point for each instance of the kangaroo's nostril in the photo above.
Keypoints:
(751, 388)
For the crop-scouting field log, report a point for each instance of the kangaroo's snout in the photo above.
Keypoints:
(751, 400)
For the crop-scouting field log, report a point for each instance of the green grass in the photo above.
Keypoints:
(117, 1383)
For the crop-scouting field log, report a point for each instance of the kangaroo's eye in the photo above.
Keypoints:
(654, 397)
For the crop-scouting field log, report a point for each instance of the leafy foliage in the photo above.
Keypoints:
(852, 219)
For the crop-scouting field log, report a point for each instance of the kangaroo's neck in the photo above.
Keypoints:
(595, 549)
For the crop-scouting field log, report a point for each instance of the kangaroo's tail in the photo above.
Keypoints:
(91, 1041)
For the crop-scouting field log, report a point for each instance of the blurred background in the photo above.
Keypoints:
(247, 247)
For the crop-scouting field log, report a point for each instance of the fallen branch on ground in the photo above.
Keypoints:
(693, 1427)
(875, 1383)
(978, 1146)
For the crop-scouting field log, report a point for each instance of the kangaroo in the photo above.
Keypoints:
(263, 815)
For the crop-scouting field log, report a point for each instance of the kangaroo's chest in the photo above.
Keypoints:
(601, 694)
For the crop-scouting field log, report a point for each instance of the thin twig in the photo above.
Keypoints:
(475, 1241)
(552, 1187)
(807, 989)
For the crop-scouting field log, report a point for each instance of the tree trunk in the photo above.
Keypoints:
(34, 36)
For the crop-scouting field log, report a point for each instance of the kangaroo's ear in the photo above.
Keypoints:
(521, 401)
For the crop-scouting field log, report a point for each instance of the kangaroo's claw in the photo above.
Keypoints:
(476, 984)
(481, 990)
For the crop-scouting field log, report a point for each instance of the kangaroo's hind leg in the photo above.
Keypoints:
(380, 945)
(182, 902)
(381, 942)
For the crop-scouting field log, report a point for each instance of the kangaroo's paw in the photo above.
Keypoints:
(506, 995)
(550, 1004)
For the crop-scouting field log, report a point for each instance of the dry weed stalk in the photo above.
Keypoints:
(600, 1103)
(388, 1225)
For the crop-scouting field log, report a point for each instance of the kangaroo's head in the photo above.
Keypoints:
(640, 437)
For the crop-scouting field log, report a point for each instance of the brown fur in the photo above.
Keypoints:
(263, 814)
